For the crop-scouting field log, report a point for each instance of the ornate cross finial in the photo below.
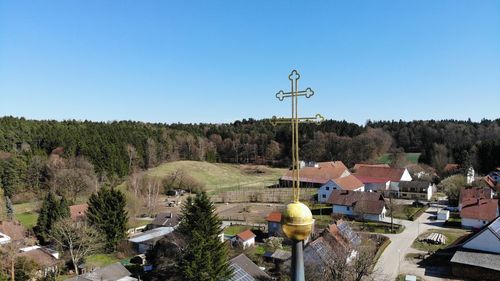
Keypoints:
(294, 121)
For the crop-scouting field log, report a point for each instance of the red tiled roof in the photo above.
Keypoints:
(246, 235)
(78, 211)
(274, 217)
(392, 174)
(357, 166)
(321, 174)
(450, 167)
(348, 183)
(366, 180)
(474, 193)
(480, 209)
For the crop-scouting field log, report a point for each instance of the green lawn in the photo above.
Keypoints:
(408, 212)
(410, 157)
(217, 176)
(451, 235)
(235, 229)
(100, 260)
(375, 227)
(28, 220)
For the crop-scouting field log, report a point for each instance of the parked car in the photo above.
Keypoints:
(451, 209)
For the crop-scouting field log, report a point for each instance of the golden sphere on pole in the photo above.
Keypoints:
(297, 221)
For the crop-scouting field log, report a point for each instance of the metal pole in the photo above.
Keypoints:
(298, 261)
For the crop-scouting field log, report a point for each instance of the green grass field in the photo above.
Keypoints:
(410, 157)
(217, 176)
(451, 235)
(28, 220)
(100, 260)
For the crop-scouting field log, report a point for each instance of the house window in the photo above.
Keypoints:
(327, 188)
(324, 195)
(347, 208)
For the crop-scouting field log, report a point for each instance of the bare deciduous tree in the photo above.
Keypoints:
(77, 239)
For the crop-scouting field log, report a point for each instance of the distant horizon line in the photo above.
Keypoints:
(240, 120)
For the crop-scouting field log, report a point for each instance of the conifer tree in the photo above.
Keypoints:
(205, 257)
(52, 211)
(107, 213)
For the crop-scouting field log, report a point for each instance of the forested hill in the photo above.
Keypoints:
(114, 148)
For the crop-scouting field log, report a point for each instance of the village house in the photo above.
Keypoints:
(493, 180)
(314, 174)
(146, 240)
(337, 241)
(274, 224)
(245, 269)
(47, 259)
(246, 238)
(349, 182)
(476, 213)
(478, 257)
(78, 212)
(367, 205)
(417, 190)
(382, 179)
(468, 194)
(113, 272)
(164, 220)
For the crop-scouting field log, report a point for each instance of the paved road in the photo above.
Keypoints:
(392, 261)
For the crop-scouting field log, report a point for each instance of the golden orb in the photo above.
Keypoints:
(297, 221)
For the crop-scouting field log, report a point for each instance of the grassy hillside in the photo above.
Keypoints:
(218, 176)
(410, 157)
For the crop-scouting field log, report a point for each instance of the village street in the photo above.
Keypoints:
(392, 261)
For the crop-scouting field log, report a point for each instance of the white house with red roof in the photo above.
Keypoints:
(349, 182)
(477, 212)
(246, 238)
(382, 179)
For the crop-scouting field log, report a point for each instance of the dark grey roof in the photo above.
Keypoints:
(246, 270)
(347, 232)
(166, 219)
(418, 186)
(479, 259)
(111, 272)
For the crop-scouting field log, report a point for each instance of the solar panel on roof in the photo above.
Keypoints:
(495, 227)
(347, 232)
(240, 274)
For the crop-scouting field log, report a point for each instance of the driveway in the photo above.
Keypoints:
(392, 261)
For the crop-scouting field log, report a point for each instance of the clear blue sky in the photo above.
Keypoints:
(218, 61)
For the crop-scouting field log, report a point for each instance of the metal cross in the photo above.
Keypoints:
(294, 121)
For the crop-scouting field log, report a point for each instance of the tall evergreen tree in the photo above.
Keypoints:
(205, 257)
(107, 213)
(52, 211)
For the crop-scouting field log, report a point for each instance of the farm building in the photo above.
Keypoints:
(376, 178)
(476, 213)
(164, 220)
(478, 257)
(316, 174)
(146, 240)
(419, 190)
(349, 182)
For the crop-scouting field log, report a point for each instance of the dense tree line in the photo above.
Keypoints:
(116, 149)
